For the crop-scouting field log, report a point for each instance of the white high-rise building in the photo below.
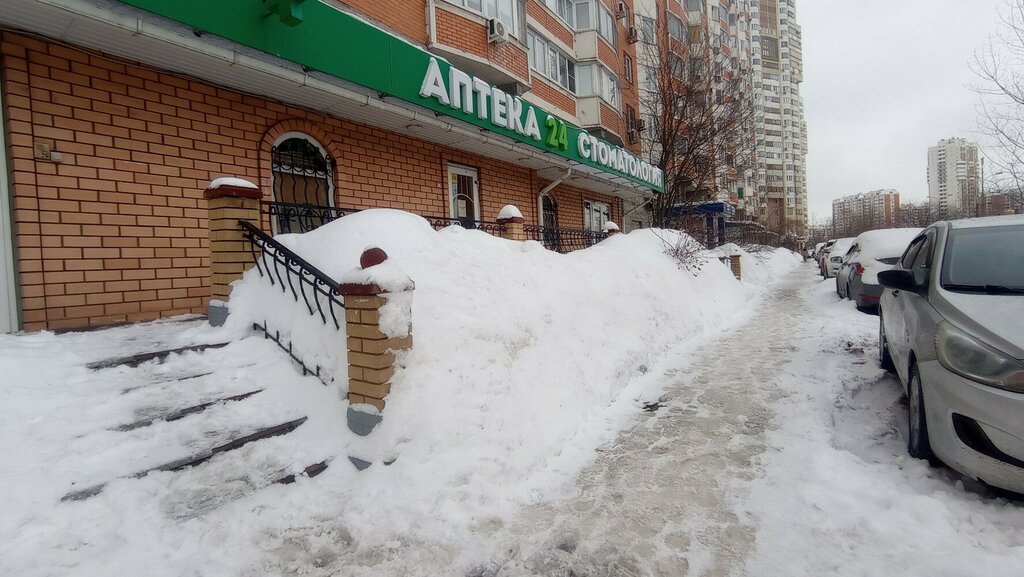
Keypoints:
(781, 132)
(954, 178)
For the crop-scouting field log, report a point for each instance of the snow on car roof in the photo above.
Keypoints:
(885, 243)
(987, 221)
(841, 246)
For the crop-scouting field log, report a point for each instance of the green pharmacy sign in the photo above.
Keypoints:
(316, 35)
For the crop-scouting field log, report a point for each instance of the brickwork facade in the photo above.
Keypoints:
(117, 230)
(470, 36)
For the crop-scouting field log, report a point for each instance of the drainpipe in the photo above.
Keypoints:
(556, 182)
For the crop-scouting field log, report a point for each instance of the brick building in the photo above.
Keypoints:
(857, 213)
(118, 114)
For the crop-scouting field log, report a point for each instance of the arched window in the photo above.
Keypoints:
(549, 221)
(303, 180)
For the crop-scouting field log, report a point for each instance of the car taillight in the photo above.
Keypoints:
(859, 269)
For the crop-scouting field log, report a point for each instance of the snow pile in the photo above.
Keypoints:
(525, 362)
(760, 267)
(522, 356)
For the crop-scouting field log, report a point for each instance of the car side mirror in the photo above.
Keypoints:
(899, 279)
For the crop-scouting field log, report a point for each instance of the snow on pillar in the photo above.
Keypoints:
(378, 324)
(611, 229)
(228, 201)
(512, 220)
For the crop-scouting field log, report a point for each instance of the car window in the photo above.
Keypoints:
(911, 253)
(854, 250)
(922, 260)
(984, 257)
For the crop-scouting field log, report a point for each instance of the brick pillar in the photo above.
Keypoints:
(734, 264)
(230, 253)
(371, 351)
(512, 219)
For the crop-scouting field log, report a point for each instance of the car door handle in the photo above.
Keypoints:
(895, 293)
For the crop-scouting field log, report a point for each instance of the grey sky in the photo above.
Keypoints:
(883, 81)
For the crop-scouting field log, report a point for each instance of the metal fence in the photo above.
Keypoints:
(563, 240)
(287, 270)
(301, 218)
(288, 217)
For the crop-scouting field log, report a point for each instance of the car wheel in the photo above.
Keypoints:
(917, 438)
(884, 357)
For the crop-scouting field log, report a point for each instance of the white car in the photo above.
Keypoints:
(952, 327)
(834, 257)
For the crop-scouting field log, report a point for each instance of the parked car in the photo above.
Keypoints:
(816, 253)
(823, 254)
(952, 327)
(834, 257)
(872, 252)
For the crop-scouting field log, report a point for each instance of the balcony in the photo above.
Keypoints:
(601, 119)
(460, 35)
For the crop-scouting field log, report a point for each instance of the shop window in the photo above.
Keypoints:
(463, 193)
(303, 174)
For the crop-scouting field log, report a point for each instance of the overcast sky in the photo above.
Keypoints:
(883, 81)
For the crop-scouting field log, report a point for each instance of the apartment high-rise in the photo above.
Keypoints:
(854, 214)
(715, 36)
(954, 178)
(781, 132)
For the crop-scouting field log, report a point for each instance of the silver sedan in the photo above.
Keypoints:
(952, 327)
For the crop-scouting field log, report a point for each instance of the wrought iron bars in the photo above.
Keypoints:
(563, 240)
(289, 271)
(439, 222)
(291, 217)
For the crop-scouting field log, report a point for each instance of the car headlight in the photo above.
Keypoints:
(966, 356)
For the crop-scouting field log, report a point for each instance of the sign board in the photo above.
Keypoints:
(319, 36)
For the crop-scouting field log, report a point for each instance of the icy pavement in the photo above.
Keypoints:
(778, 451)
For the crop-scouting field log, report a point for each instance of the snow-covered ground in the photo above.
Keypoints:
(525, 361)
(599, 413)
(838, 494)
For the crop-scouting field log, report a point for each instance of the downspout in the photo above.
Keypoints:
(554, 183)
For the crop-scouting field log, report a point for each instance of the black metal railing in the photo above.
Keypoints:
(306, 217)
(439, 222)
(289, 271)
(276, 337)
(563, 240)
(289, 217)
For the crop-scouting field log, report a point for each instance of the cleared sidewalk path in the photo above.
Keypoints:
(657, 500)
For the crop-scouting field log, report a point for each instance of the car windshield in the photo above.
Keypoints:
(987, 259)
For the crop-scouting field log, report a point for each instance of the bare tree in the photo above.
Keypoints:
(700, 127)
(916, 215)
(1000, 68)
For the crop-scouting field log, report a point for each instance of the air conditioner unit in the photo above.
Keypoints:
(622, 11)
(497, 32)
(641, 124)
(633, 136)
(632, 35)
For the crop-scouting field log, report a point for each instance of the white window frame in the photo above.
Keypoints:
(490, 9)
(592, 208)
(546, 59)
(462, 170)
